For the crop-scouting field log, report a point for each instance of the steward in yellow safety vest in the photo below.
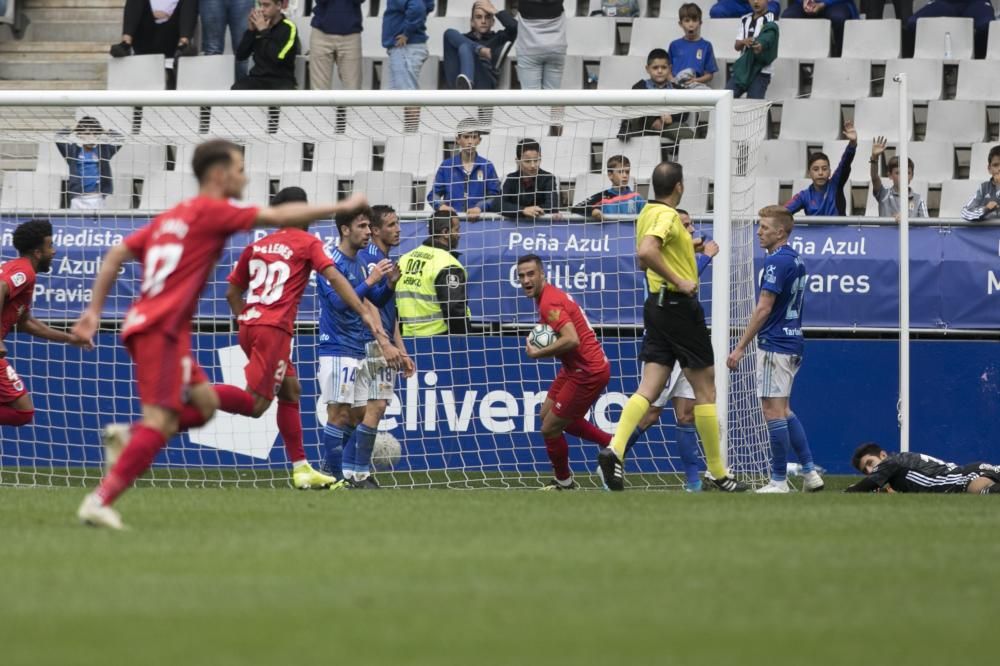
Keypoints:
(430, 295)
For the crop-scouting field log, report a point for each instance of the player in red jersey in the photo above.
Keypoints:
(178, 250)
(584, 375)
(33, 241)
(264, 293)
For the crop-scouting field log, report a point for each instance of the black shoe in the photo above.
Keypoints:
(727, 484)
(611, 469)
(463, 83)
(121, 50)
(368, 484)
(556, 486)
(186, 51)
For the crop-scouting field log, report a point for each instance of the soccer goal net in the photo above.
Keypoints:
(100, 165)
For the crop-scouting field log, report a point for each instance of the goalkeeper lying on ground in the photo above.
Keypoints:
(920, 473)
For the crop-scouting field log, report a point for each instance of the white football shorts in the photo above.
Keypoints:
(338, 380)
(776, 373)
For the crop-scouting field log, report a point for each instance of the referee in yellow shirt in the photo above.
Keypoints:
(675, 330)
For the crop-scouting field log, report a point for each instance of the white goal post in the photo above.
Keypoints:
(569, 123)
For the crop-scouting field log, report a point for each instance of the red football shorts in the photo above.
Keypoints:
(573, 393)
(11, 386)
(164, 368)
(269, 358)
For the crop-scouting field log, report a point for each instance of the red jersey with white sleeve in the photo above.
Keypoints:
(19, 275)
(274, 271)
(178, 250)
(557, 308)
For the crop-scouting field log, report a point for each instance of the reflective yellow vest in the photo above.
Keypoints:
(416, 297)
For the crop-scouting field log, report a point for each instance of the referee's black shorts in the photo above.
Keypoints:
(676, 331)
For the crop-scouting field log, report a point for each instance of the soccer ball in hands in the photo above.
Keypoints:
(542, 336)
(387, 451)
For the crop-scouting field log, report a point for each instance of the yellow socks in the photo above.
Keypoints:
(706, 422)
(634, 410)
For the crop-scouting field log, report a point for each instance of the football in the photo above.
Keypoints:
(542, 336)
(386, 453)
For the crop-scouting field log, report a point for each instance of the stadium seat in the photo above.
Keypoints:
(931, 34)
(29, 191)
(879, 116)
(805, 39)
(210, 72)
(258, 191)
(499, 149)
(121, 197)
(565, 156)
(595, 6)
(138, 72)
(643, 152)
(784, 79)
(343, 157)
(993, 45)
(436, 27)
(50, 160)
(933, 161)
(647, 34)
(697, 157)
(924, 80)
(573, 73)
(977, 160)
(720, 32)
(166, 189)
(809, 120)
(419, 154)
(782, 159)
(387, 187)
(978, 80)
(371, 38)
(955, 194)
(273, 158)
(304, 31)
(316, 185)
(591, 36)
(765, 192)
(873, 38)
(569, 7)
(841, 78)
(958, 121)
(586, 184)
(696, 191)
(620, 72)
(238, 122)
(171, 123)
(307, 122)
(669, 9)
(859, 171)
(139, 160)
(871, 207)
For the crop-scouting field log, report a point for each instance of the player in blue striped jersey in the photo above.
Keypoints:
(777, 323)
(342, 340)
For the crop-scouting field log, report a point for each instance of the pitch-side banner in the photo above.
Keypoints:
(853, 271)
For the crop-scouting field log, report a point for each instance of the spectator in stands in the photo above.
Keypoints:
(618, 9)
(431, 299)
(530, 191)
(985, 203)
(888, 198)
(826, 194)
(473, 60)
(738, 8)
(660, 78)
(837, 11)
(980, 11)
(757, 40)
(874, 9)
(216, 16)
(89, 159)
(619, 199)
(466, 183)
(541, 44)
(157, 26)
(273, 41)
(335, 38)
(404, 35)
(692, 57)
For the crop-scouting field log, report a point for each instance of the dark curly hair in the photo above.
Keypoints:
(30, 236)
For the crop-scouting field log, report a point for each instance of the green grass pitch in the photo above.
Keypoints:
(246, 577)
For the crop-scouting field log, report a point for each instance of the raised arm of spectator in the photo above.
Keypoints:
(878, 147)
(245, 48)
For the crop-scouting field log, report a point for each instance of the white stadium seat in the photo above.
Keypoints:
(419, 154)
(924, 77)
(317, 186)
(977, 160)
(591, 36)
(993, 45)
(138, 72)
(386, 187)
(648, 34)
(782, 159)
(784, 79)
(499, 149)
(139, 160)
(933, 33)
(620, 72)
(343, 157)
(50, 160)
(720, 32)
(978, 80)
(958, 121)
(171, 123)
(371, 38)
(805, 39)
(238, 122)
(164, 190)
(697, 156)
(955, 194)
(879, 116)
(809, 120)
(872, 38)
(841, 78)
(121, 197)
(565, 156)
(273, 158)
(933, 161)
(210, 72)
(30, 191)
(696, 192)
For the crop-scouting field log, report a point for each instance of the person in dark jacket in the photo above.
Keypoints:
(530, 191)
(336, 38)
(89, 161)
(473, 60)
(157, 26)
(273, 42)
(660, 78)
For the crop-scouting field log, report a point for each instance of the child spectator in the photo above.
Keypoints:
(837, 11)
(985, 203)
(273, 41)
(530, 191)
(619, 199)
(737, 8)
(757, 39)
(618, 8)
(473, 60)
(89, 161)
(826, 195)
(692, 57)
(404, 35)
(658, 69)
(466, 183)
(888, 198)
